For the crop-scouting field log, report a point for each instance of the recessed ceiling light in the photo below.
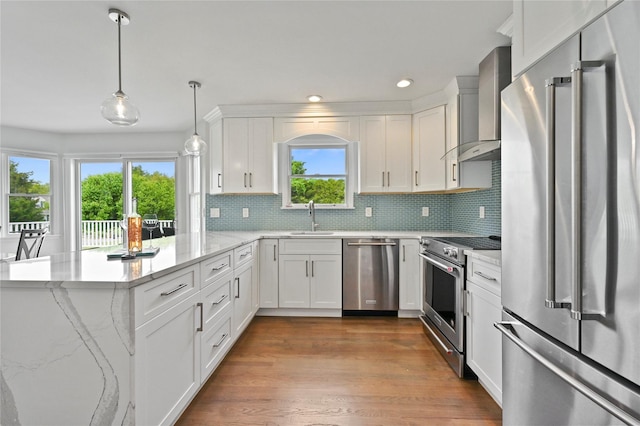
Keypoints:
(405, 82)
(314, 98)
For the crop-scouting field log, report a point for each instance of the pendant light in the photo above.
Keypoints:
(117, 109)
(195, 145)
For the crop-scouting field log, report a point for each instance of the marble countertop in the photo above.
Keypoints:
(91, 267)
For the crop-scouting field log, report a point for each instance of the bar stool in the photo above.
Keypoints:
(30, 243)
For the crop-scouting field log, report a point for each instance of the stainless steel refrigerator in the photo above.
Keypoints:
(571, 230)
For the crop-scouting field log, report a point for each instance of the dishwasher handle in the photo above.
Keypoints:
(372, 244)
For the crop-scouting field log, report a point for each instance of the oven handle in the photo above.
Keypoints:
(435, 336)
(447, 268)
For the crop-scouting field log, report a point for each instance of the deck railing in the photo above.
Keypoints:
(95, 233)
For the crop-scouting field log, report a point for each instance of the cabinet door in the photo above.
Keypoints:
(398, 149)
(235, 155)
(428, 149)
(540, 26)
(167, 363)
(261, 161)
(373, 177)
(326, 282)
(484, 343)
(269, 273)
(242, 293)
(451, 160)
(410, 282)
(293, 282)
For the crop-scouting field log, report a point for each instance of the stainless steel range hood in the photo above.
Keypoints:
(494, 75)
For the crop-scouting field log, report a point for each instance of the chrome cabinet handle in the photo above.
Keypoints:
(550, 93)
(237, 280)
(382, 178)
(485, 276)
(571, 380)
(576, 189)
(306, 266)
(201, 316)
(245, 254)
(224, 296)
(245, 180)
(388, 178)
(274, 252)
(217, 268)
(371, 244)
(250, 180)
(416, 177)
(312, 273)
(219, 183)
(224, 336)
(453, 172)
(167, 293)
(404, 253)
(435, 336)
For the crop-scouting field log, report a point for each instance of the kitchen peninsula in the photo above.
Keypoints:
(90, 340)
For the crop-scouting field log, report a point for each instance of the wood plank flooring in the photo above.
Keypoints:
(338, 371)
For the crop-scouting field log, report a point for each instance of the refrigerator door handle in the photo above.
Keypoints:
(576, 189)
(505, 326)
(550, 134)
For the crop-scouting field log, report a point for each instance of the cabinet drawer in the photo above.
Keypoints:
(215, 343)
(310, 246)
(486, 275)
(215, 299)
(213, 268)
(243, 254)
(154, 298)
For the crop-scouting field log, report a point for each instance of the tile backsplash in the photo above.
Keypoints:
(394, 212)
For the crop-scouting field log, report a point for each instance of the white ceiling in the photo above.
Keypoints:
(59, 59)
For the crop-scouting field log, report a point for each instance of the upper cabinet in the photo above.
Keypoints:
(385, 153)
(429, 139)
(243, 159)
(462, 126)
(540, 26)
(287, 128)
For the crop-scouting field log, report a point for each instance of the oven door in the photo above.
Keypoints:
(443, 293)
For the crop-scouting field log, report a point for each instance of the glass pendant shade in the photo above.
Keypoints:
(118, 110)
(195, 145)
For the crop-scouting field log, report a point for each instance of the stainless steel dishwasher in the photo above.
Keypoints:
(370, 275)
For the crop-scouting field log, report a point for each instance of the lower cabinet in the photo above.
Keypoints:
(484, 342)
(242, 293)
(268, 267)
(310, 274)
(167, 363)
(410, 290)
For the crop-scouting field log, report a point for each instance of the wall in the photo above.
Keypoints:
(448, 212)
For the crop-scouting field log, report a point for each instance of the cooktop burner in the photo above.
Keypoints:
(476, 243)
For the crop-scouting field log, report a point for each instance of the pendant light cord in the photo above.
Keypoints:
(195, 114)
(119, 56)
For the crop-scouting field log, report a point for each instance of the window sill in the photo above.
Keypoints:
(317, 207)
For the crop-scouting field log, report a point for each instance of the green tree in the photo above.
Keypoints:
(24, 208)
(322, 191)
(155, 193)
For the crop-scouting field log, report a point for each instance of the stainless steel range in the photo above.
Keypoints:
(443, 263)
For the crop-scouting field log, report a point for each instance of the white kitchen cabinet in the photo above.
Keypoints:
(540, 26)
(268, 273)
(462, 125)
(410, 276)
(385, 154)
(167, 363)
(287, 128)
(244, 281)
(310, 273)
(429, 143)
(484, 342)
(248, 163)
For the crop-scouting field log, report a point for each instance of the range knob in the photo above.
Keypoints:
(447, 251)
(453, 253)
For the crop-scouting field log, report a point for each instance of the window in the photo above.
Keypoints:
(29, 195)
(318, 170)
(106, 185)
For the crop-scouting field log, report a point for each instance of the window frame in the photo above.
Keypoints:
(54, 189)
(318, 142)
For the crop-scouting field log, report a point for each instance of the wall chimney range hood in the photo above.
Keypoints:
(494, 75)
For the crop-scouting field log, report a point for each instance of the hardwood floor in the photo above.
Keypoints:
(338, 371)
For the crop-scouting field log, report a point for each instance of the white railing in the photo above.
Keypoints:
(95, 233)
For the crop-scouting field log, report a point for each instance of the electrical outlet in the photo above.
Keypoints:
(245, 212)
(481, 212)
(368, 212)
(214, 212)
(425, 211)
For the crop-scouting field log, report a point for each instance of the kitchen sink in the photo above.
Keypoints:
(310, 233)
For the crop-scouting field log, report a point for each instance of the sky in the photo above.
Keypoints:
(41, 170)
(321, 161)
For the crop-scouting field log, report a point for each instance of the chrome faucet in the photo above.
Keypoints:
(312, 213)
